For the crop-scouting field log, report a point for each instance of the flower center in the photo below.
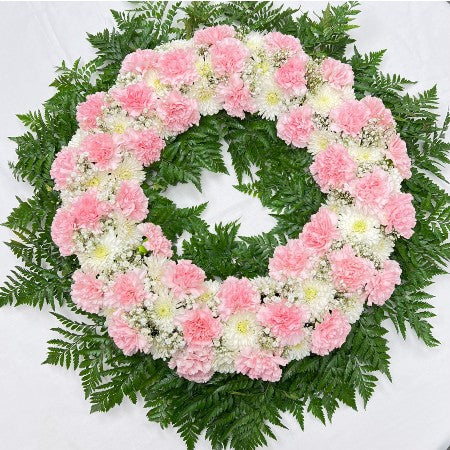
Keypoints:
(359, 226)
(310, 293)
(272, 98)
(243, 326)
(100, 252)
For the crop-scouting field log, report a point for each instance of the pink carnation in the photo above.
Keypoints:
(211, 35)
(228, 56)
(177, 67)
(237, 295)
(145, 145)
(102, 150)
(333, 168)
(350, 117)
(277, 42)
(295, 126)
(290, 261)
(127, 290)
(135, 98)
(330, 333)
(87, 291)
(236, 97)
(126, 338)
(131, 201)
(285, 321)
(64, 167)
(62, 229)
(90, 110)
(399, 214)
(291, 76)
(184, 278)
(87, 210)
(378, 111)
(194, 363)
(381, 286)
(398, 154)
(177, 112)
(336, 73)
(139, 61)
(260, 364)
(320, 232)
(156, 241)
(350, 272)
(372, 190)
(200, 327)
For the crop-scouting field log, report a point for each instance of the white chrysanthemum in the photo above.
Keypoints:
(126, 230)
(358, 227)
(206, 96)
(382, 249)
(351, 306)
(103, 252)
(77, 138)
(266, 285)
(130, 169)
(163, 312)
(395, 179)
(324, 99)
(155, 266)
(320, 140)
(223, 360)
(254, 42)
(204, 68)
(241, 330)
(165, 345)
(300, 350)
(208, 298)
(270, 100)
(152, 79)
(117, 123)
(365, 155)
(99, 179)
(316, 295)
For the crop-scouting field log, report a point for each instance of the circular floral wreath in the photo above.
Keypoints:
(317, 283)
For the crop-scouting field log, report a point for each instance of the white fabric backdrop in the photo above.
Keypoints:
(43, 406)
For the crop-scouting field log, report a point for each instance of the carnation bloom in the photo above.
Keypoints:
(184, 278)
(378, 111)
(372, 190)
(228, 56)
(62, 229)
(177, 67)
(260, 364)
(139, 61)
(333, 168)
(398, 154)
(193, 363)
(126, 338)
(211, 35)
(64, 167)
(132, 201)
(291, 76)
(237, 295)
(320, 232)
(177, 112)
(236, 97)
(296, 126)
(156, 242)
(90, 110)
(330, 333)
(399, 214)
(276, 42)
(101, 150)
(200, 327)
(135, 98)
(290, 261)
(87, 210)
(145, 145)
(350, 272)
(285, 321)
(350, 117)
(127, 290)
(336, 73)
(381, 286)
(87, 291)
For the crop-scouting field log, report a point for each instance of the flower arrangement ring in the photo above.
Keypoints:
(317, 283)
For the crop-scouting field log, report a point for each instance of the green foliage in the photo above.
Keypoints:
(231, 410)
